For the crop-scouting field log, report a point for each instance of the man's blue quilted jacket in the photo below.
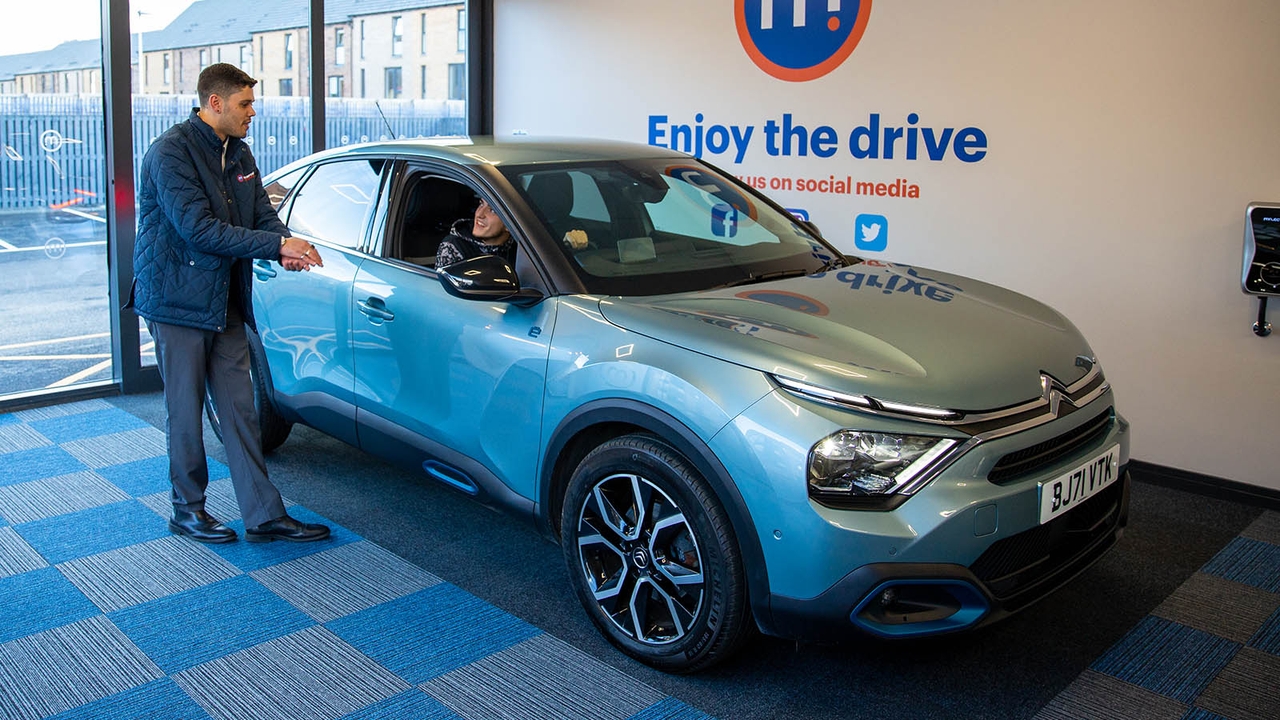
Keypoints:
(195, 220)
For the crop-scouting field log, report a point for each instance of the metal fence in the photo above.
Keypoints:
(53, 154)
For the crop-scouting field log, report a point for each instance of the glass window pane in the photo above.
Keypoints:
(334, 202)
(56, 330)
(383, 88)
(266, 49)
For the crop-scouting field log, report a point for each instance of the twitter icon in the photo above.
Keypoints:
(871, 232)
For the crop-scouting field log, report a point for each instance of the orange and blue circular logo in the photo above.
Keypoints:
(800, 40)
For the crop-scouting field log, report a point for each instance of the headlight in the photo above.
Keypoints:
(851, 466)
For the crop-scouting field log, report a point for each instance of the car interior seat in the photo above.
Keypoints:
(432, 206)
(552, 196)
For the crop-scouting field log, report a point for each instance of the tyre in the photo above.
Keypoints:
(653, 557)
(275, 429)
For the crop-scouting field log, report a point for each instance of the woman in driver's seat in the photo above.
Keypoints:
(483, 234)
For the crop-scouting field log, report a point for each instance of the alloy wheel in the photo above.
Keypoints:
(641, 559)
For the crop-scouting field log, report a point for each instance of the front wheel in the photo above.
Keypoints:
(653, 556)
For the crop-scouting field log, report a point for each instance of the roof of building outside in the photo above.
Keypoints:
(219, 22)
(206, 22)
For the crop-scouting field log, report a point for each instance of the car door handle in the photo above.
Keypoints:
(376, 310)
(263, 269)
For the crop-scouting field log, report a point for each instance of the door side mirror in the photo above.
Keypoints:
(487, 277)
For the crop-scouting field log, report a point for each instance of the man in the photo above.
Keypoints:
(203, 217)
(487, 235)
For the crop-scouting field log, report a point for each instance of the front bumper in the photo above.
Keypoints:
(961, 552)
(931, 599)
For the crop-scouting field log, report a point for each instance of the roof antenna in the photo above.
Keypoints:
(384, 119)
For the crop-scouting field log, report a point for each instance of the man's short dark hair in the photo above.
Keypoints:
(223, 80)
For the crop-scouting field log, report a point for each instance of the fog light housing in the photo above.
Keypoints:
(853, 465)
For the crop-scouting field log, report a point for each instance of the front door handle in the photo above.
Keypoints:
(376, 310)
(263, 269)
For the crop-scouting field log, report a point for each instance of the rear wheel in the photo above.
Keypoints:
(275, 429)
(653, 556)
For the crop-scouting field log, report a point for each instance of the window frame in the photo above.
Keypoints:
(397, 36)
(129, 376)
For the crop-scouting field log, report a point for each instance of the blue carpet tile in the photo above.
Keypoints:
(1210, 651)
(104, 613)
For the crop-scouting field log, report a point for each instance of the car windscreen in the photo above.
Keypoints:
(657, 226)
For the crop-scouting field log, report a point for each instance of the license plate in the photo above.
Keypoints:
(1064, 493)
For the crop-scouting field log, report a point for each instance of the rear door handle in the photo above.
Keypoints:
(376, 310)
(263, 269)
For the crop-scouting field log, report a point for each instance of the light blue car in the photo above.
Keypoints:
(726, 423)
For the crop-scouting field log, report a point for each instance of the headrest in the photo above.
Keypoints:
(552, 195)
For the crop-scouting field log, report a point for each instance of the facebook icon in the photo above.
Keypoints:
(724, 220)
(871, 232)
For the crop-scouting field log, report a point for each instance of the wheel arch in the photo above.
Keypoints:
(594, 423)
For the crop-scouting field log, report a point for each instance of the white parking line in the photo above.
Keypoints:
(94, 369)
(54, 341)
(41, 248)
(72, 379)
(84, 214)
(42, 358)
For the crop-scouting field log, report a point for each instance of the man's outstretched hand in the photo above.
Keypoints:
(298, 254)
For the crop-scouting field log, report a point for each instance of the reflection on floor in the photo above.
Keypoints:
(103, 613)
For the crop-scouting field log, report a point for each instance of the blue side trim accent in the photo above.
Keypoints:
(973, 606)
(452, 477)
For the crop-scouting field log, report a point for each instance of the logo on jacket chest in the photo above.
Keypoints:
(246, 178)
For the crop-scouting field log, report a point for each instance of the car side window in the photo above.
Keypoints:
(279, 189)
(431, 205)
(335, 202)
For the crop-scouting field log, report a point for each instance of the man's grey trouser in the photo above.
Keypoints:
(186, 358)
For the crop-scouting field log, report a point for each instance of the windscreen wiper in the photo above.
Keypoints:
(832, 264)
(764, 277)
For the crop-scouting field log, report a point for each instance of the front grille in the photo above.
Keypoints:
(1019, 562)
(1028, 460)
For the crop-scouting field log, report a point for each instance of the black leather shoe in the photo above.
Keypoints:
(286, 528)
(200, 526)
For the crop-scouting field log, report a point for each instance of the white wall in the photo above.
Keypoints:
(1124, 140)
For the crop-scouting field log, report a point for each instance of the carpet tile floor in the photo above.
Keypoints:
(1210, 651)
(104, 613)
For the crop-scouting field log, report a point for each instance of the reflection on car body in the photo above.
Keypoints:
(720, 435)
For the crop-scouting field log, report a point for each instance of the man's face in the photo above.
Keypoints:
(233, 114)
(487, 225)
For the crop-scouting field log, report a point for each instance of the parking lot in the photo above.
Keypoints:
(53, 282)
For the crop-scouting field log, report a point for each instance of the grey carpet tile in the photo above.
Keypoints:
(219, 501)
(50, 412)
(68, 666)
(40, 499)
(1266, 528)
(309, 675)
(1247, 689)
(16, 556)
(523, 682)
(346, 579)
(131, 575)
(1200, 601)
(160, 503)
(1093, 696)
(19, 436)
(118, 448)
